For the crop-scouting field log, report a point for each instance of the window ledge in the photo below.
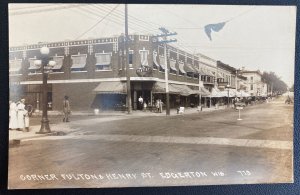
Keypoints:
(103, 70)
(56, 72)
(34, 73)
(78, 71)
(14, 74)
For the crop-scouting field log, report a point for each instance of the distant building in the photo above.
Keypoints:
(255, 84)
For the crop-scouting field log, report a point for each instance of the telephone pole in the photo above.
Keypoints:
(127, 62)
(164, 41)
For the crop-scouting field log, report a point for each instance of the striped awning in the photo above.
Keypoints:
(173, 65)
(219, 75)
(32, 65)
(215, 92)
(111, 87)
(162, 62)
(160, 87)
(181, 67)
(78, 61)
(189, 68)
(183, 89)
(58, 62)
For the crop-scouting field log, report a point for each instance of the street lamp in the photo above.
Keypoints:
(46, 66)
(228, 86)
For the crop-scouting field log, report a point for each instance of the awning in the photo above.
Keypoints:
(162, 62)
(155, 60)
(144, 57)
(160, 87)
(173, 65)
(58, 62)
(183, 89)
(208, 73)
(15, 65)
(232, 93)
(242, 93)
(215, 92)
(32, 65)
(219, 76)
(78, 61)
(181, 67)
(203, 91)
(112, 87)
(200, 71)
(189, 68)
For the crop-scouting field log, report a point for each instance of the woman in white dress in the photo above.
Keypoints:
(21, 113)
(13, 119)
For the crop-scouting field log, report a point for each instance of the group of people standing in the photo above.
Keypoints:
(18, 116)
(143, 105)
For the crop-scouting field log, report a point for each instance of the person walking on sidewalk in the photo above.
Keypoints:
(66, 109)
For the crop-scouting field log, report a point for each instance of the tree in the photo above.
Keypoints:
(275, 82)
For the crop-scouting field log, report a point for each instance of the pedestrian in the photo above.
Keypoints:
(141, 101)
(26, 119)
(157, 105)
(21, 115)
(160, 106)
(13, 115)
(145, 106)
(66, 109)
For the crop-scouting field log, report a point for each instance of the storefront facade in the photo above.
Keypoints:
(93, 74)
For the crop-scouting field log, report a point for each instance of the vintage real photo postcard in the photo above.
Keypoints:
(125, 95)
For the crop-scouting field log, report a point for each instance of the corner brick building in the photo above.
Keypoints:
(92, 73)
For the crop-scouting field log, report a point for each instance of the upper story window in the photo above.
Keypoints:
(15, 65)
(103, 61)
(251, 78)
(78, 62)
(58, 63)
(144, 57)
(143, 38)
(130, 56)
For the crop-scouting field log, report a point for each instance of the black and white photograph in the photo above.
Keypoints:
(147, 95)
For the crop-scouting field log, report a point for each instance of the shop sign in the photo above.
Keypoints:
(144, 71)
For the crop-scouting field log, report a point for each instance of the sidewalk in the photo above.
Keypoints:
(134, 112)
(15, 136)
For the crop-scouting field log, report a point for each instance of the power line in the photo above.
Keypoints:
(12, 8)
(44, 10)
(98, 22)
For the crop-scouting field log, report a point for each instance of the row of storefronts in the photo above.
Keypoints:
(93, 74)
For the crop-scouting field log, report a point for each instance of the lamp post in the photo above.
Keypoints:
(228, 86)
(46, 66)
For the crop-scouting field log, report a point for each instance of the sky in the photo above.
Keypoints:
(255, 37)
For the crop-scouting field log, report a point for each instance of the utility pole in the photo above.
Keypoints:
(164, 41)
(127, 62)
